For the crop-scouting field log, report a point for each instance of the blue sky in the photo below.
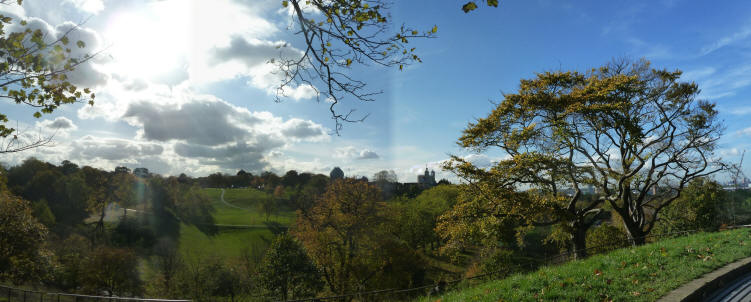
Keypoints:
(166, 101)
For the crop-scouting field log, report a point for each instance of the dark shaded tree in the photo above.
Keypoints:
(286, 271)
(23, 257)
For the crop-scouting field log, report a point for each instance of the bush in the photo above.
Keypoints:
(605, 238)
(500, 263)
(695, 209)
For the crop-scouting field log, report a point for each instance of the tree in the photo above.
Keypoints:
(287, 272)
(347, 234)
(112, 270)
(634, 134)
(346, 32)
(338, 34)
(696, 209)
(109, 188)
(167, 262)
(23, 257)
(34, 72)
(385, 176)
(268, 204)
(417, 218)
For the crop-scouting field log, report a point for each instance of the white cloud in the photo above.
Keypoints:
(727, 40)
(256, 56)
(90, 147)
(729, 152)
(354, 153)
(89, 6)
(746, 131)
(740, 111)
(59, 123)
(88, 73)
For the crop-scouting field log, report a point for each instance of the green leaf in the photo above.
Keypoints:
(81, 44)
(470, 6)
(285, 3)
(493, 3)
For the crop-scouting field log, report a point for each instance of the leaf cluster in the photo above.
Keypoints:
(34, 71)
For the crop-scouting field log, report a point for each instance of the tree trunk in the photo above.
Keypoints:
(636, 236)
(578, 243)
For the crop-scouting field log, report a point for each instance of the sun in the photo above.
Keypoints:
(150, 42)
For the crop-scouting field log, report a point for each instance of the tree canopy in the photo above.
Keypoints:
(34, 72)
(632, 135)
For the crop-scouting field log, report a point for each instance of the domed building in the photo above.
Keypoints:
(336, 173)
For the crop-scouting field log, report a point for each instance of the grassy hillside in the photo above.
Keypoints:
(633, 274)
(244, 209)
(230, 242)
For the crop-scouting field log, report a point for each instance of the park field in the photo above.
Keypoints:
(242, 225)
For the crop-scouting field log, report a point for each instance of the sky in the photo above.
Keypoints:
(183, 86)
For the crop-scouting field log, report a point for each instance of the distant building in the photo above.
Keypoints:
(744, 184)
(336, 173)
(427, 180)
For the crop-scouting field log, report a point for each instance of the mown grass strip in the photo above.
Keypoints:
(643, 273)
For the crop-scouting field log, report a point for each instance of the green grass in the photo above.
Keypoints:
(227, 244)
(633, 274)
(248, 200)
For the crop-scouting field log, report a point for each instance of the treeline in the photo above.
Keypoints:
(345, 238)
(265, 181)
(72, 245)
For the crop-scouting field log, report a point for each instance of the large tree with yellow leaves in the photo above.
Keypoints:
(630, 135)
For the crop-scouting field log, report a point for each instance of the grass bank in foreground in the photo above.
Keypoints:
(643, 273)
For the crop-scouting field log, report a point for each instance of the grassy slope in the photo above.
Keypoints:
(634, 274)
(248, 199)
(229, 243)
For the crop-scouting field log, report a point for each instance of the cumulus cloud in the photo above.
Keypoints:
(215, 132)
(255, 55)
(249, 156)
(254, 52)
(204, 121)
(89, 6)
(207, 120)
(729, 152)
(89, 147)
(367, 154)
(86, 74)
(59, 123)
(351, 152)
(301, 129)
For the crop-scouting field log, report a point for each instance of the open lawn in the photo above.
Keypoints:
(246, 208)
(228, 243)
(243, 210)
(643, 273)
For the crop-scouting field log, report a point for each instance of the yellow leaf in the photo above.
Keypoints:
(435, 29)
(285, 3)
(349, 61)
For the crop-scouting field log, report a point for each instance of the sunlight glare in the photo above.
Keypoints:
(152, 42)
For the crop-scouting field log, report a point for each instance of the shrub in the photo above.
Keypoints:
(605, 238)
